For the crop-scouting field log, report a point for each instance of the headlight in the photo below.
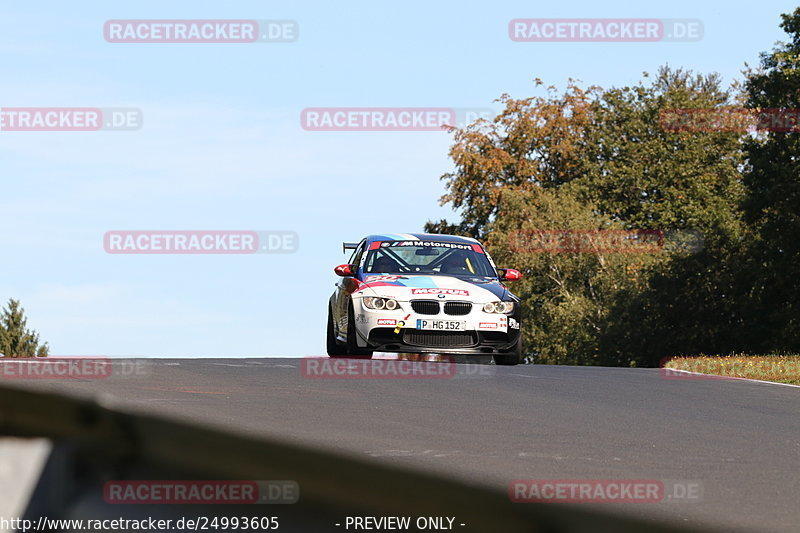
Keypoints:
(498, 307)
(372, 302)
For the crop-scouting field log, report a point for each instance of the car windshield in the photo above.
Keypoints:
(428, 257)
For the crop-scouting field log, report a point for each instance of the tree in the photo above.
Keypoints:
(594, 159)
(684, 182)
(15, 339)
(772, 179)
(567, 294)
(648, 176)
(534, 140)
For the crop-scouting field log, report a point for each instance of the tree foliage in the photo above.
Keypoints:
(16, 340)
(567, 296)
(533, 141)
(772, 208)
(594, 159)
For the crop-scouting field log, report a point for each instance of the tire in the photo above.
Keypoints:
(334, 348)
(513, 358)
(352, 346)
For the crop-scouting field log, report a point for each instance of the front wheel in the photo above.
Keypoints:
(352, 346)
(513, 358)
(334, 348)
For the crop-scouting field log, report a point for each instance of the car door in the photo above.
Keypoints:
(344, 288)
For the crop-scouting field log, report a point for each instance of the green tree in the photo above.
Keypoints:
(772, 206)
(650, 177)
(679, 182)
(567, 296)
(16, 340)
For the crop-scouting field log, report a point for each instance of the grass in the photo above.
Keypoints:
(777, 368)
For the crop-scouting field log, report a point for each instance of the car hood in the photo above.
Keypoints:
(412, 287)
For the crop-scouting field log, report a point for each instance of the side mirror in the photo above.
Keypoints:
(509, 274)
(345, 270)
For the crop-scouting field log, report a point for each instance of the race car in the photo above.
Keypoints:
(423, 293)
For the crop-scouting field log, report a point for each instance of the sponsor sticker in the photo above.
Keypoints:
(383, 277)
(487, 325)
(387, 322)
(432, 244)
(451, 292)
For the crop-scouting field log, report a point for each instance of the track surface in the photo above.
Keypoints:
(491, 425)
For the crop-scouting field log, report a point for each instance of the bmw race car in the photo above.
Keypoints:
(423, 293)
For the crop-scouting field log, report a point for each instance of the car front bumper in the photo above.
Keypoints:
(396, 331)
(425, 341)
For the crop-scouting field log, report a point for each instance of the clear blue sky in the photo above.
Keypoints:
(222, 148)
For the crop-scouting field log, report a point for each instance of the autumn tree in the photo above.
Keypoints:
(533, 141)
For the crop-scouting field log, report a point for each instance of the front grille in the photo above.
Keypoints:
(457, 308)
(438, 339)
(425, 307)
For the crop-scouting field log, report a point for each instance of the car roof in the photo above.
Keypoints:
(420, 237)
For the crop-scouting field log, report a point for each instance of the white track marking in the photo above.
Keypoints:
(722, 378)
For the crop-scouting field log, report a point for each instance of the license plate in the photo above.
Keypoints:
(444, 325)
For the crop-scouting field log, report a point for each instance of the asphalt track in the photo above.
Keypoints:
(739, 440)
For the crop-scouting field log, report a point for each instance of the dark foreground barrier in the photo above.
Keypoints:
(222, 478)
